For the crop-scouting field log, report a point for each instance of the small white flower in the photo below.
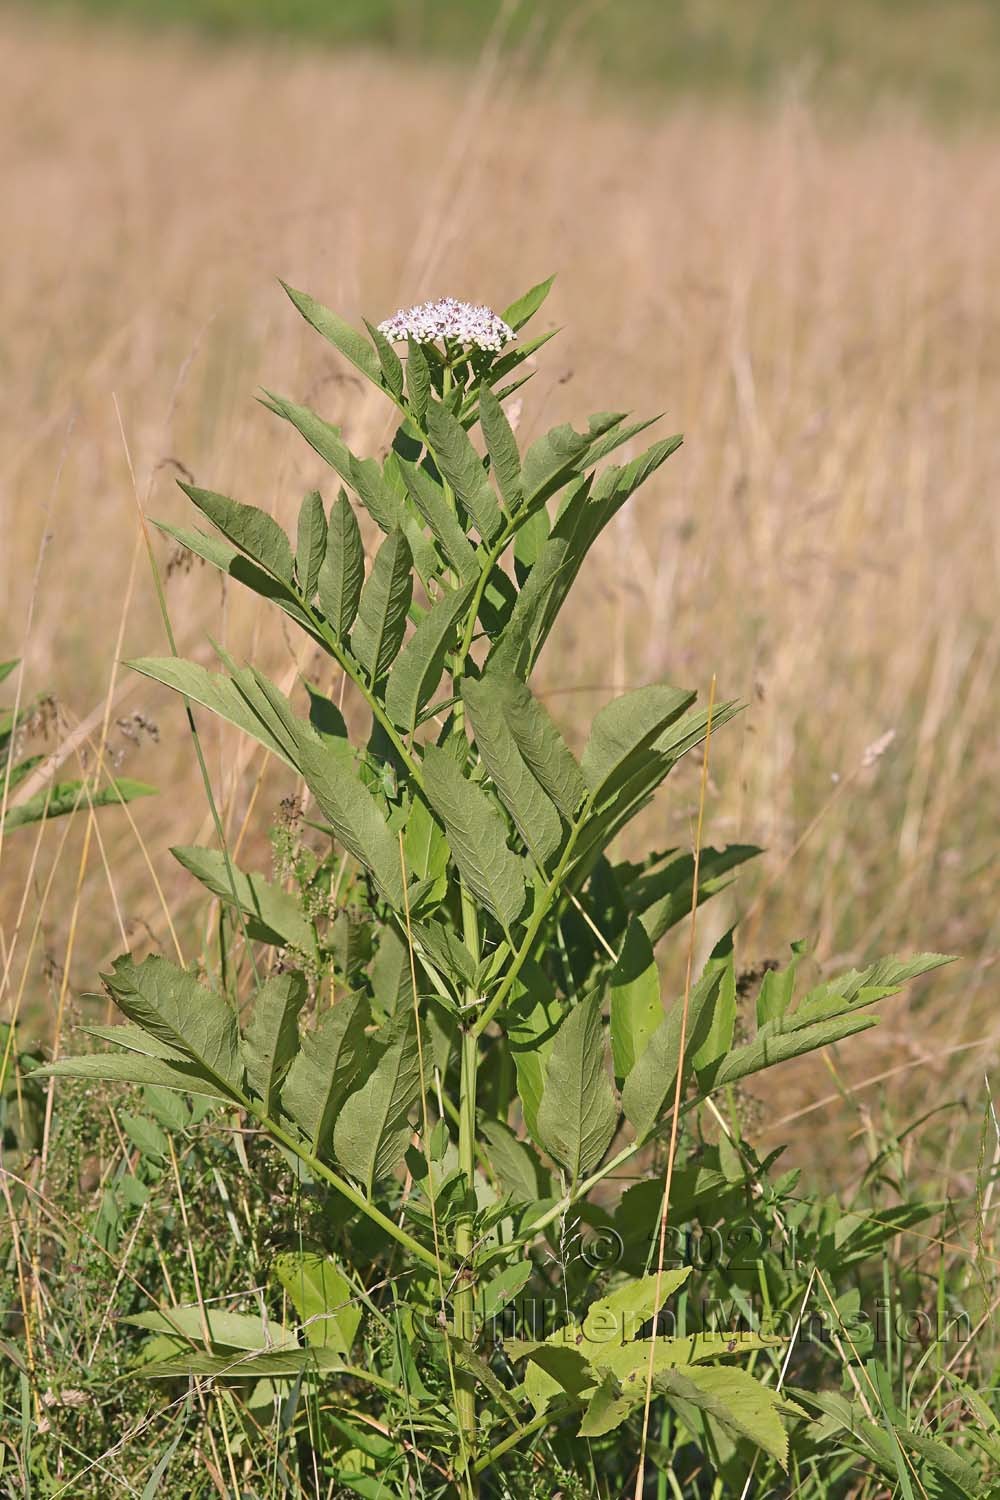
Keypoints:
(465, 322)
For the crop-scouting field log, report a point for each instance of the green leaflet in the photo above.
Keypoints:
(250, 529)
(273, 916)
(340, 334)
(532, 1021)
(271, 1038)
(540, 742)
(477, 836)
(779, 1046)
(389, 362)
(67, 796)
(649, 1088)
(718, 1038)
(276, 1364)
(587, 508)
(858, 988)
(385, 600)
(505, 461)
(651, 768)
(342, 573)
(502, 1288)
(734, 1399)
(619, 1316)
(228, 1330)
(415, 677)
(418, 379)
(310, 543)
(323, 1298)
(213, 691)
(325, 1069)
(514, 1162)
(551, 458)
(363, 475)
(663, 897)
(461, 465)
(172, 1006)
(429, 499)
(623, 730)
(519, 311)
(636, 1002)
(353, 812)
(578, 1114)
(135, 1067)
(529, 805)
(373, 1130)
(233, 562)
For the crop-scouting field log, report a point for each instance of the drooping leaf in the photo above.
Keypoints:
(477, 837)
(417, 672)
(734, 1399)
(272, 915)
(342, 573)
(534, 813)
(252, 530)
(271, 1039)
(172, 1006)
(461, 465)
(311, 543)
(636, 1002)
(501, 445)
(325, 1069)
(323, 1298)
(650, 1085)
(385, 600)
(578, 1114)
(373, 1130)
(340, 334)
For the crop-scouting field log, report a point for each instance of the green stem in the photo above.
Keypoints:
(538, 916)
(465, 1294)
(320, 1169)
(511, 1441)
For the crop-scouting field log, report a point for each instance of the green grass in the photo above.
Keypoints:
(856, 52)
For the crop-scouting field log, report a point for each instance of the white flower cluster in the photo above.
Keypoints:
(465, 322)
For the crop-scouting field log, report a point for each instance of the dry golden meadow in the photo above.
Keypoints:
(815, 304)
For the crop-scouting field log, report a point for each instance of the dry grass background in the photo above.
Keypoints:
(815, 305)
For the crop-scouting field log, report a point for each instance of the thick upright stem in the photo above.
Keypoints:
(465, 1292)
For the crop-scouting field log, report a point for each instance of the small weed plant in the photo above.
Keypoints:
(529, 1247)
